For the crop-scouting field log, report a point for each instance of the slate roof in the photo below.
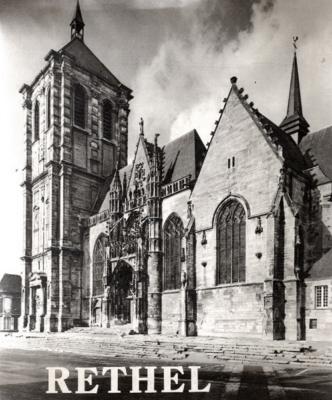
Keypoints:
(291, 151)
(183, 156)
(10, 283)
(322, 268)
(317, 149)
(86, 59)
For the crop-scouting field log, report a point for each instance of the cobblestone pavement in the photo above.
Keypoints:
(23, 375)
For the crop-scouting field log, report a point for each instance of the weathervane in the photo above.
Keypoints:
(295, 39)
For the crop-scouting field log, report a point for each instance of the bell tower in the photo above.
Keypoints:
(76, 117)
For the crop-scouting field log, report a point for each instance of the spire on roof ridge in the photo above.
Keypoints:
(294, 123)
(294, 100)
(77, 24)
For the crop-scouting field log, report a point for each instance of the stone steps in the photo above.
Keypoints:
(172, 348)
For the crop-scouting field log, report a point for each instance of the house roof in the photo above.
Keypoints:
(10, 283)
(182, 157)
(317, 149)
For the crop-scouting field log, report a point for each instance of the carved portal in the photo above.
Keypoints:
(122, 286)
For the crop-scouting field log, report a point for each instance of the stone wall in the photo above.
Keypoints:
(170, 306)
(231, 310)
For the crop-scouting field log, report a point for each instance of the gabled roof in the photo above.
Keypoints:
(86, 59)
(10, 283)
(317, 149)
(182, 157)
(273, 134)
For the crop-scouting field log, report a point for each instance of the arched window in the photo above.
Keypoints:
(107, 120)
(79, 106)
(173, 232)
(98, 268)
(36, 124)
(48, 108)
(231, 243)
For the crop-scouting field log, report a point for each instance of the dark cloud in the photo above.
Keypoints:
(222, 20)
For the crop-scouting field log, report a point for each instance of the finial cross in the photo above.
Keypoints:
(141, 126)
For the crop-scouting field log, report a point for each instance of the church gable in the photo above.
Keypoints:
(241, 160)
(136, 188)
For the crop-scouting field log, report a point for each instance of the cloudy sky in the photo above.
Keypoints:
(176, 55)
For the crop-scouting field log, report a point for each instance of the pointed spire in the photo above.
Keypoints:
(77, 24)
(294, 123)
(294, 99)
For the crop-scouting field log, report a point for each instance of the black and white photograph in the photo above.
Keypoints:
(166, 200)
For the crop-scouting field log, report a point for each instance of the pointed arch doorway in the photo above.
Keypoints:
(122, 293)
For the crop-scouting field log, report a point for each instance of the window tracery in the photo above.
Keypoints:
(231, 243)
(173, 233)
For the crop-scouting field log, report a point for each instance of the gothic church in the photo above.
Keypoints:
(232, 239)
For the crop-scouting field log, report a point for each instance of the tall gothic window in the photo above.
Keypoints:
(107, 119)
(98, 268)
(48, 108)
(36, 125)
(173, 232)
(79, 106)
(231, 243)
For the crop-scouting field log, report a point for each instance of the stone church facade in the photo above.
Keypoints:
(232, 239)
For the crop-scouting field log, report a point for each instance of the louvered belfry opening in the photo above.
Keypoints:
(48, 108)
(36, 125)
(173, 232)
(107, 120)
(79, 106)
(231, 243)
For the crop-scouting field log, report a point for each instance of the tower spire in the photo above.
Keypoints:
(77, 24)
(294, 99)
(294, 123)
